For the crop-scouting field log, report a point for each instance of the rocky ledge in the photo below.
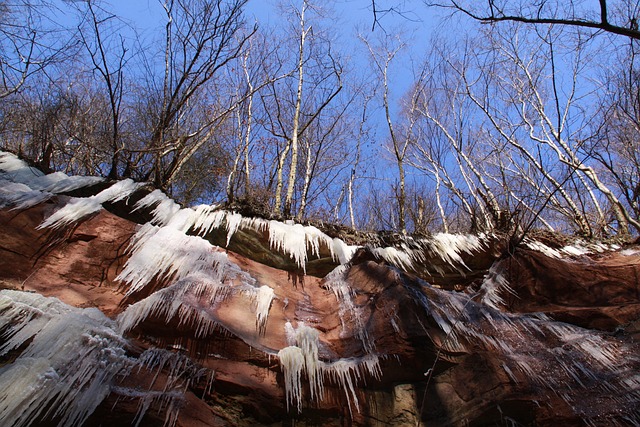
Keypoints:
(119, 307)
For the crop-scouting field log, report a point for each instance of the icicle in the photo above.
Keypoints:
(342, 252)
(68, 366)
(578, 248)
(15, 170)
(493, 285)
(79, 208)
(168, 254)
(336, 282)
(164, 209)
(294, 239)
(208, 218)
(400, 258)
(233, 222)
(174, 301)
(290, 239)
(263, 297)
(20, 196)
(302, 358)
(298, 358)
(292, 362)
(307, 340)
(450, 246)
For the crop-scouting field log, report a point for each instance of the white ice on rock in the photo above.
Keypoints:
(79, 208)
(193, 301)
(446, 247)
(187, 300)
(15, 170)
(297, 241)
(166, 254)
(493, 287)
(292, 362)
(578, 248)
(200, 276)
(181, 373)
(293, 239)
(263, 298)
(23, 186)
(301, 359)
(351, 317)
(71, 359)
(16, 195)
(581, 359)
(165, 207)
(68, 366)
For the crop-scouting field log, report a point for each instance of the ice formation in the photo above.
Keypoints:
(200, 280)
(302, 358)
(582, 359)
(181, 373)
(182, 300)
(79, 208)
(263, 297)
(20, 196)
(351, 316)
(294, 240)
(292, 362)
(23, 186)
(165, 254)
(443, 246)
(165, 207)
(493, 287)
(69, 364)
(578, 248)
(71, 359)
(15, 170)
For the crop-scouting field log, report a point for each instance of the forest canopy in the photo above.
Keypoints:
(515, 113)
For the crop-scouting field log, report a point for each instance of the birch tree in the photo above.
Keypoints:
(381, 57)
(316, 84)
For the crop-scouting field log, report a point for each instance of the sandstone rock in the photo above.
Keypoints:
(418, 345)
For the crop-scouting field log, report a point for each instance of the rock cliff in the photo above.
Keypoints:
(119, 307)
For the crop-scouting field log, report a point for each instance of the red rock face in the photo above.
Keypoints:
(561, 347)
(596, 292)
(77, 265)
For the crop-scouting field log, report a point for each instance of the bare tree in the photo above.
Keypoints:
(29, 42)
(623, 21)
(617, 146)
(295, 105)
(382, 57)
(533, 119)
(108, 55)
(201, 38)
